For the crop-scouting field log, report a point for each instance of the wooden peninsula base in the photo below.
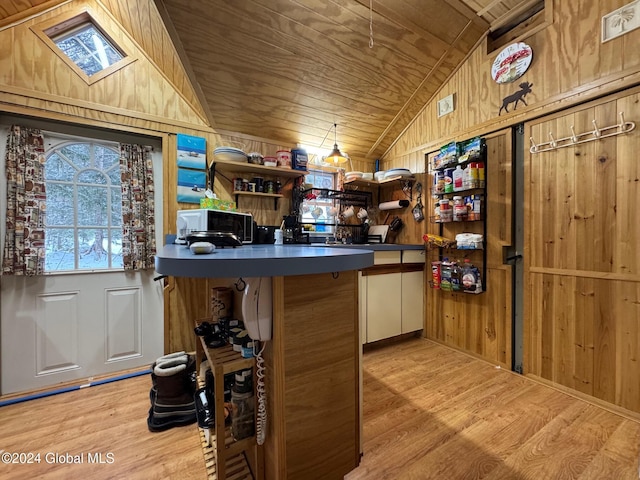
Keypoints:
(312, 378)
(313, 360)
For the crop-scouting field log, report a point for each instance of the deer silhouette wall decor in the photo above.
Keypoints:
(525, 87)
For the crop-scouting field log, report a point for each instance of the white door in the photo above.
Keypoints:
(59, 328)
(86, 316)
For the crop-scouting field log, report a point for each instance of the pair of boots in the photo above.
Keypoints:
(174, 383)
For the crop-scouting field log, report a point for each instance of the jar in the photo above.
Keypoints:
(237, 184)
(269, 186)
(446, 213)
(284, 158)
(459, 209)
(245, 185)
(259, 181)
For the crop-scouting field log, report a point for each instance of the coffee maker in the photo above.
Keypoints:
(292, 231)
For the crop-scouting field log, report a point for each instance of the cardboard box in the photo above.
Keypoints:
(217, 204)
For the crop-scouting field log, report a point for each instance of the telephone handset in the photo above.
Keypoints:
(258, 317)
(256, 307)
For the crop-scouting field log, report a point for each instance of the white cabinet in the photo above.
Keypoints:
(412, 301)
(384, 306)
(392, 296)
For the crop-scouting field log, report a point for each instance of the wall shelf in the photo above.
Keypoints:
(231, 167)
(227, 169)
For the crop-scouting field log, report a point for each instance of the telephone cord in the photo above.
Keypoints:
(261, 423)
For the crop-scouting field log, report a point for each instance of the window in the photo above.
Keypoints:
(88, 48)
(319, 211)
(84, 207)
(84, 44)
(519, 22)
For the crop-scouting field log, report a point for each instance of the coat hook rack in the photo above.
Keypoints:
(595, 134)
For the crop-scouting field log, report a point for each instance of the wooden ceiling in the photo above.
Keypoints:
(287, 70)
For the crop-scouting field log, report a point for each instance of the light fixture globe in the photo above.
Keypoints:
(336, 157)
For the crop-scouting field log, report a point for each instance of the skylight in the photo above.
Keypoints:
(88, 48)
(85, 41)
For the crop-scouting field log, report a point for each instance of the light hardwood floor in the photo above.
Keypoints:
(429, 413)
(434, 413)
(109, 418)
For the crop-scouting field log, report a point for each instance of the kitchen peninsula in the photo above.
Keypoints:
(312, 361)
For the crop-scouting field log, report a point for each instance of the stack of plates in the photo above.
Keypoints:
(352, 176)
(229, 154)
(379, 175)
(397, 172)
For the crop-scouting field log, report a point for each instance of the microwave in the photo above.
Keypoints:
(198, 220)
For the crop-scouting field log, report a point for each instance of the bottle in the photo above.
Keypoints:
(459, 209)
(473, 175)
(457, 179)
(481, 175)
(243, 407)
(471, 281)
(278, 185)
(466, 177)
(456, 277)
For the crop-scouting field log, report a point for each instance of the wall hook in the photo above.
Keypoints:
(574, 139)
(589, 136)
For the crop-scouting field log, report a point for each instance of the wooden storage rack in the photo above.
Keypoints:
(222, 361)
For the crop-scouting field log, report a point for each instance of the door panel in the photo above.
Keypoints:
(56, 332)
(582, 255)
(52, 331)
(123, 320)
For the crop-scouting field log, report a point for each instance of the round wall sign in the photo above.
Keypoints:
(511, 63)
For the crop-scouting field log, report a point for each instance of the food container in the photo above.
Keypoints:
(269, 186)
(255, 158)
(284, 158)
(299, 159)
(270, 161)
(446, 212)
(259, 181)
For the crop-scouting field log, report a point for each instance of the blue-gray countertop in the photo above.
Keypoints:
(261, 261)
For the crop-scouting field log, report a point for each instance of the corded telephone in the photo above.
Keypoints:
(256, 307)
(258, 318)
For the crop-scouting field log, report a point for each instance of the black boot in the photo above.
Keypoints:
(174, 403)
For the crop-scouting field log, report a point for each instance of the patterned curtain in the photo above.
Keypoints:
(24, 246)
(138, 210)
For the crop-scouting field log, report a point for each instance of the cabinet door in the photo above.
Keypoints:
(384, 306)
(412, 301)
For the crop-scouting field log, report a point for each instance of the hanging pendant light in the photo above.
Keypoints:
(335, 157)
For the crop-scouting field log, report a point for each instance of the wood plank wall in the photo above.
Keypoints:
(570, 66)
(582, 255)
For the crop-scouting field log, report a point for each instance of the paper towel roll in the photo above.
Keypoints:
(394, 204)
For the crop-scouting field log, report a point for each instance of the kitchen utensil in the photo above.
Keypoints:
(396, 224)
